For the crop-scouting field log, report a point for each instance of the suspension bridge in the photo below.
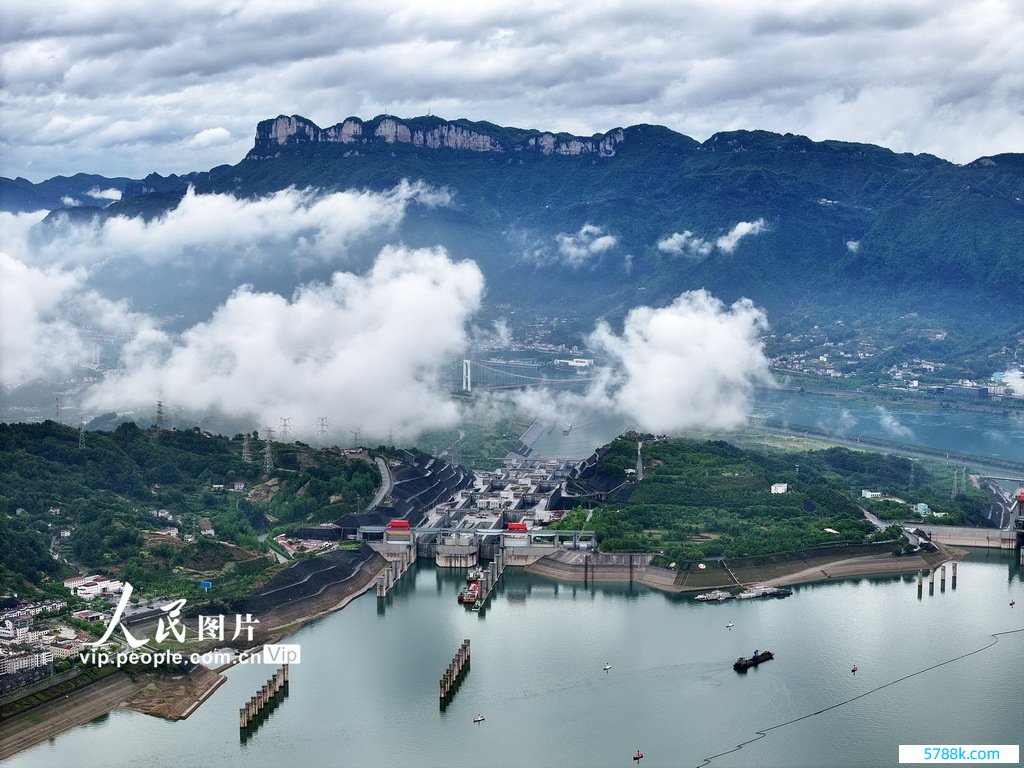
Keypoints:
(470, 376)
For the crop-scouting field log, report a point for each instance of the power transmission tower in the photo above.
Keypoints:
(246, 449)
(56, 408)
(355, 438)
(286, 429)
(321, 424)
(81, 434)
(268, 452)
(160, 414)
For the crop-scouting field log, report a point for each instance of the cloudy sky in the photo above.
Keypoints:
(176, 86)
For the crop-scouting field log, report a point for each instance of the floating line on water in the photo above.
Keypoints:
(764, 731)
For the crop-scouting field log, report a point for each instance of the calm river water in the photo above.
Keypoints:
(976, 433)
(365, 693)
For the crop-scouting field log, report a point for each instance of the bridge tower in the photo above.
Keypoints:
(467, 376)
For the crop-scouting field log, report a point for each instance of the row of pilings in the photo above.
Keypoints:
(453, 674)
(489, 579)
(931, 580)
(277, 683)
(393, 572)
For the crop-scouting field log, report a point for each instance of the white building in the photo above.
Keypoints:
(780, 487)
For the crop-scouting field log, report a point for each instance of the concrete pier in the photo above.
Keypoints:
(396, 569)
(453, 674)
(489, 580)
(266, 695)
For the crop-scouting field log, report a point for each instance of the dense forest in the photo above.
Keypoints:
(98, 500)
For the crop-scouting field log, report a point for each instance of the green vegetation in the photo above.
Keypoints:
(711, 499)
(84, 676)
(119, 489)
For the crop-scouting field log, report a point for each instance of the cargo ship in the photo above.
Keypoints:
(742, 664)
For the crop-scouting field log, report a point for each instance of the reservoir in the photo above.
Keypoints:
(930, 671)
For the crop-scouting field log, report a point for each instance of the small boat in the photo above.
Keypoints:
(479, 719)
(854, 669)
(470, 594)
(730, 625)
(715, 596)
(638, 756)
(742, 664)
(1013, 603)
(474, 574)
(606, 667)
(759, 593)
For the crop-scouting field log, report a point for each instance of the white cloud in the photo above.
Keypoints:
(104, 194)
(727, 243)
(892, 425)
(1015, 381)
(362, 350)
(209, 137)
(691, 364)
(306, 224)
(47, 316)
(686, 244)
(120, 90)
(690, 245)
(579, 249)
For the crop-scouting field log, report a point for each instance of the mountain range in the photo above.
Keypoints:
(593, 225)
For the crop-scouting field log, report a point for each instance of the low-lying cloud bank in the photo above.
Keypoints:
(694, 363)
(366, 351)
(304, 225)
(362, 351)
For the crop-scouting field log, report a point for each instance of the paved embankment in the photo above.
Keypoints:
(48, 720)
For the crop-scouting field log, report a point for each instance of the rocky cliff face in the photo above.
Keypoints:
(430, 133)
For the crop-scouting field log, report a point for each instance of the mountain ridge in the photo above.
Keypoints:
(833, 228)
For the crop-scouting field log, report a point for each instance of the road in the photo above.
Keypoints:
(386, 483)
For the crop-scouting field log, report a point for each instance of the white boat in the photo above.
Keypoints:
(606, 667)
(730, 625)
(715, 596)
(479, 719)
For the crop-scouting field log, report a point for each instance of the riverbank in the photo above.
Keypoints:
(579, 567)
(171, 697)
(55, 717)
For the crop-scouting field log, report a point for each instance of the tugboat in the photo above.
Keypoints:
(742, 664)
(470, 593)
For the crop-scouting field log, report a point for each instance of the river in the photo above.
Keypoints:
(977, 433)
(365, 692)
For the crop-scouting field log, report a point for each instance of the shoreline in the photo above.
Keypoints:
(120, 691)
(173, 702)
(667, 580)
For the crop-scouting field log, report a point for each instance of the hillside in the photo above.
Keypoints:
(134, 503)
(712, 499)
